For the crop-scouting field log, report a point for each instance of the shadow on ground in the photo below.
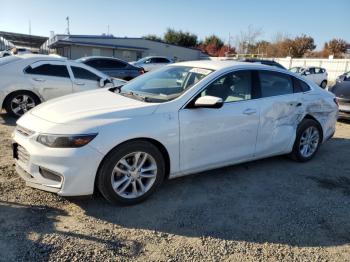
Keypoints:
(7, 120)
(274, 200)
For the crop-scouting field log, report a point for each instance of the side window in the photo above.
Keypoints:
(81, 73)
(300, 86)
(160, 60)
(232, 87)
(94, 63)
(275, 84)
(116, 64)
(318, 70)
(49, 70)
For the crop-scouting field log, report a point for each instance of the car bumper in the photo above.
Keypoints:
(65, 171)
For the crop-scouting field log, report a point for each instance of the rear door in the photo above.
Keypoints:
(280, 110)
(50, 78)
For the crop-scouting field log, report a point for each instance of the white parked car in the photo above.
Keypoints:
(181, 119)
(316, 74)
(15, 51)
(27, 80)
(150, 63)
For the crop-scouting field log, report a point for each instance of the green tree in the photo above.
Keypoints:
(185, 39)
(153, 37)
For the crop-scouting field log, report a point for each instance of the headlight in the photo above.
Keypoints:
(63, 141)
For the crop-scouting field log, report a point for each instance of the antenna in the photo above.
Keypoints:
(107, 29)
(67, 30)
(30, 27)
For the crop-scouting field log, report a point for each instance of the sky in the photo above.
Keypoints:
(321, 19)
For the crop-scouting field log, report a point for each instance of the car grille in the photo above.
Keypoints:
(24, 131)
(23, 155)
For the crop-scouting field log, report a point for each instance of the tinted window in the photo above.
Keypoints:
(275, 84)
(106, 63)
(81, 73)
(49, 70)
(300, 86)
(232, 87)
(159, 60)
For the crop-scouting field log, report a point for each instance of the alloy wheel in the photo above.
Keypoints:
(20, 104)
(134, 175)
(309, 141)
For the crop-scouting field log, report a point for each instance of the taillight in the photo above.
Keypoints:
(336, 101)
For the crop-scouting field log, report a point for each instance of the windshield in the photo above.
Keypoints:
(165, 84)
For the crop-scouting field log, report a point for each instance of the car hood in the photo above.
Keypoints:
(97, 105)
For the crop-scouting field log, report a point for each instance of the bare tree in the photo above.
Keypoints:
(247, 39)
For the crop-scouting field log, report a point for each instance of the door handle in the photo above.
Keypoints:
(296, 104)
(79, 83)
(249, 111)
(39, 79)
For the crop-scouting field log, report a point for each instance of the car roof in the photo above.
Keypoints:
(99, 57)
(222, 64)
(41, 57)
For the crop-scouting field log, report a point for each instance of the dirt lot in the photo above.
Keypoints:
(273, 209)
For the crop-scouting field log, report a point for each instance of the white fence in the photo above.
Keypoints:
(334, 67)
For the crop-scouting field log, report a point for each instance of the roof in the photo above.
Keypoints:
(114, 37)
(42, 57)
(216, 65)
(85, 58)
(32, 41)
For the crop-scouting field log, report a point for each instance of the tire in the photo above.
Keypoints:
(114, 169)
(22, 100)
(323, 84)
(300, 152)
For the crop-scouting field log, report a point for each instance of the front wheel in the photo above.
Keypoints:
(131, 172)
(307, 141)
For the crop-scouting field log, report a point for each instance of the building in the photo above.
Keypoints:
(33, 42)
(128, 49)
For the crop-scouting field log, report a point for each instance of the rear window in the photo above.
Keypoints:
(300, 86)
(275, 84)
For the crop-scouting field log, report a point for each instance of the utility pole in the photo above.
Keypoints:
(68, 32)
(30, 27)
(107, 29)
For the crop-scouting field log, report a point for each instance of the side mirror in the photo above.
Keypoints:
(102, 82)
(209, 102)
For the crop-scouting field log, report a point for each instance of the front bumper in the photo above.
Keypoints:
(74, 169)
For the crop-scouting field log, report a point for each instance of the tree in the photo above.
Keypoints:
(335, 47)
(300, 45)
(185, 39)
(212, 45)
(246, 40)
(153, 37)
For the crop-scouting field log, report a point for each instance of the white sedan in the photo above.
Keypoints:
(181, 119)
(27, 80)
(151, 63)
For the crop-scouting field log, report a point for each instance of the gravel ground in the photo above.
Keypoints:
(273, 209)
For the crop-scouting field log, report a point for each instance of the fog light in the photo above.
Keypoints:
(48, 174)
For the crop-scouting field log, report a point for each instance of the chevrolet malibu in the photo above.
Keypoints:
(181, 119)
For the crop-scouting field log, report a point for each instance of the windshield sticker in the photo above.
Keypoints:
(201, 71)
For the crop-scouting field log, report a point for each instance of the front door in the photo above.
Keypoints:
(216, 137)
(84, 79)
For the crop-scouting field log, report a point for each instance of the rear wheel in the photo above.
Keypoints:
(307, 141)
(324, 84)
(18, 103)
(131, 173)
